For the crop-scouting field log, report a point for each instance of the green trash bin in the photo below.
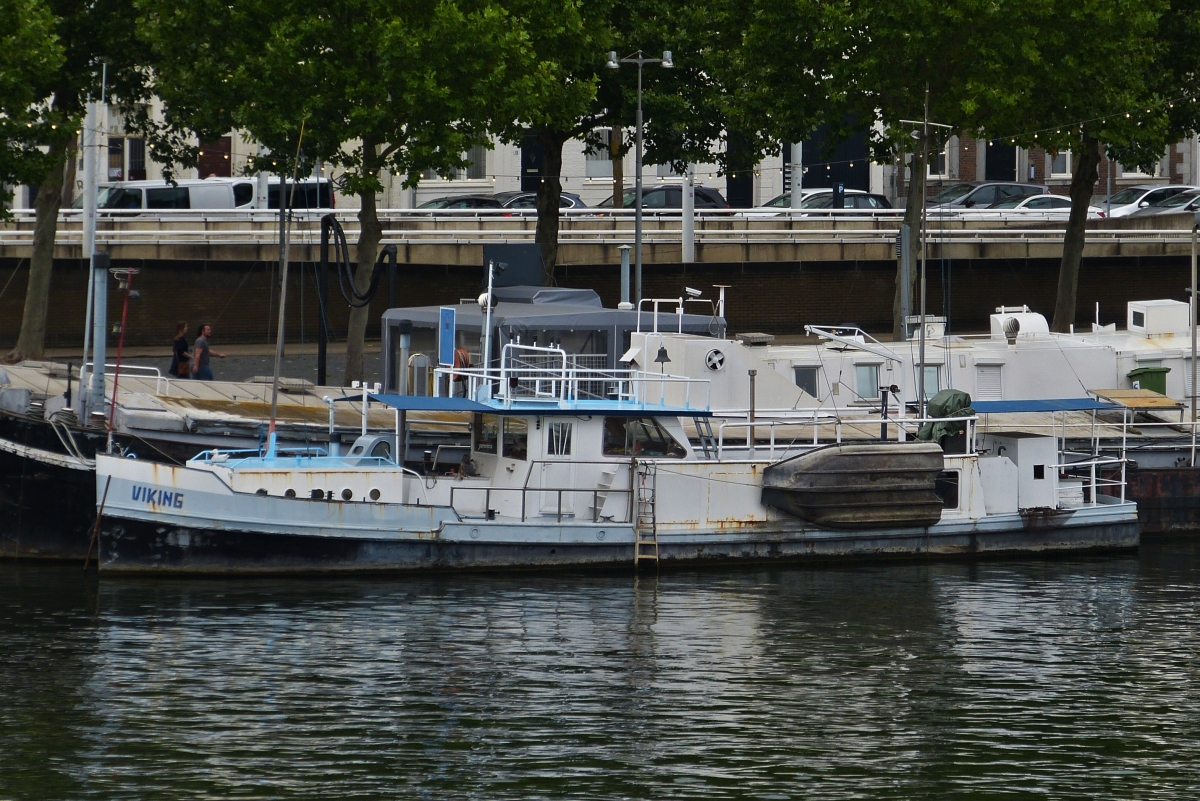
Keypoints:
(1151, 378)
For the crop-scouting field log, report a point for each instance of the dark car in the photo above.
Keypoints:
(528, 200)
(981, 194)
(462, 202)
(670, 196)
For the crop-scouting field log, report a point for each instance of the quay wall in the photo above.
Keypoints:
(240, 298)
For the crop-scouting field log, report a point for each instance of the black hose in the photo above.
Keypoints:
(332, 229)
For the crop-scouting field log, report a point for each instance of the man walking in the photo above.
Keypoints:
(201, 371)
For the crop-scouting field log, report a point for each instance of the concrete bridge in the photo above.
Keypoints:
(591, 237)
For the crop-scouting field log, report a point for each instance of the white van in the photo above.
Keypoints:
(209, 193)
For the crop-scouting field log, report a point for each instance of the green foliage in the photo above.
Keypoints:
(375, 84)
(570, 40)
(29, 49)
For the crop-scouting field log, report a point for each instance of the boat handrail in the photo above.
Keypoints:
(1097, 481)
(903, 424)
(595, 492)
(565, 385)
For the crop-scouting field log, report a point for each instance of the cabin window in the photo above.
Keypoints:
(867, 380)
(486, 428)
(558, 441)
(946, 487)
(639, 436)
(516, 438)
(806, 379)
(382, 450)
(930, 374)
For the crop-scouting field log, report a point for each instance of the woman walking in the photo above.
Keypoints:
(181, 355)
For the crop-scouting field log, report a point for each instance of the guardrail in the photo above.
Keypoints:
(254, 228)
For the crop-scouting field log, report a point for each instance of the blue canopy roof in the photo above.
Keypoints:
(1044, 405)
(425, 403)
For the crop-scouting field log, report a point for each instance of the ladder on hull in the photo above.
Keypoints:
(645, 522)
(708, 442)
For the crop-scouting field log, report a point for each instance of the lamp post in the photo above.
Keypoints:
(615, 63)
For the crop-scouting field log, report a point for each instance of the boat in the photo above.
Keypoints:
(574, 467)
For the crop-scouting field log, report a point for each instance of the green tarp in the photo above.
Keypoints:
(947, 403)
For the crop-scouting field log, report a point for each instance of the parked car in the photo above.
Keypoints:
(209, 193)
(981, 194)
(669, 196)
(784, 201)
(1054, 207)
(1185, 201)
(1135, 198)
(462, 202)
(528, 200)
(818, 202)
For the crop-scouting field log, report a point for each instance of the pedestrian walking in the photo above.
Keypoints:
(201, 371)
(181, 354)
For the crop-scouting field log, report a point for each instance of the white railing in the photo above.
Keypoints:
(537, 374)
(257, 228)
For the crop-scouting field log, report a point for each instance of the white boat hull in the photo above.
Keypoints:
(183, 519)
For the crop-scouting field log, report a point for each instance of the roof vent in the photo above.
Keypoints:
(1012, 327)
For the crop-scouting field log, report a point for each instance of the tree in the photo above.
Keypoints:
(1127, 87)
(29, 48)
(376, 86)
(70, 38)
(570, 41)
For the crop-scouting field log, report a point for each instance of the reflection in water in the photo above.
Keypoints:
(1030, 678)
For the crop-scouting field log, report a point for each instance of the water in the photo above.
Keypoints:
(1061, 678)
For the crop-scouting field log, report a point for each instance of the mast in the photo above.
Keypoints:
(283, 275)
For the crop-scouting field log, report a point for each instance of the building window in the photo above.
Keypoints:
(597, 156)
(476, 169)
(137, 159)
(666, 171)
(806, 379)
(1060, 164)
(116, 158)
(866, 379)
(940, 162)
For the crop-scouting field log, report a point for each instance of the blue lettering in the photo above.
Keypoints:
(179, 500)
(167, 498)
(137, 492)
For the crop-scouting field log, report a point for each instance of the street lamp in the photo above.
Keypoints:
(615, 63)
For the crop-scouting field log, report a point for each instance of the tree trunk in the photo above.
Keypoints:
(369, 234)
(912, 218)
(615, 138)
(548, 196)
(1083, 184)
(31, 342)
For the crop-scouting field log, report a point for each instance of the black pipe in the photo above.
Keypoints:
(323, 299)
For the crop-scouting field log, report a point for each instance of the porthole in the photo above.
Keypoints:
(347, 494)
(317, 495)
(261, 491)
(374, 494)
(289, 493)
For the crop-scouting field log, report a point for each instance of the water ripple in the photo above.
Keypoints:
(1022, 679)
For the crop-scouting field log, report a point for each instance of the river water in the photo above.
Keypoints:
(1053, 678)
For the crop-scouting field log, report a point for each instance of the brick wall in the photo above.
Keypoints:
(777, 297)
(967, 155)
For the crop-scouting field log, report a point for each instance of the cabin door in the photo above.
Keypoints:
(558, 469)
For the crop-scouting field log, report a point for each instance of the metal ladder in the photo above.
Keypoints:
(645, 526)
(708, 442)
